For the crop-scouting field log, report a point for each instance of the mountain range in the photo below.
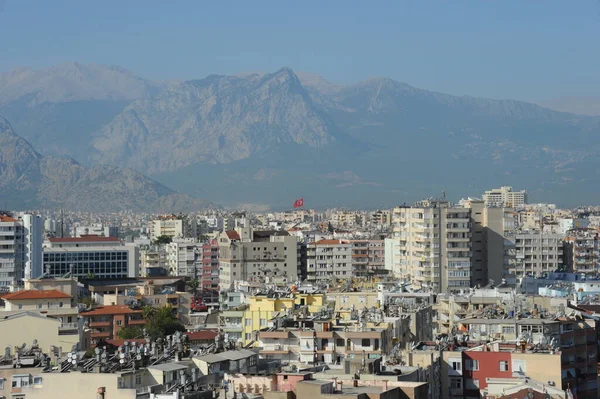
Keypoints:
(268, 138)
(29, 180)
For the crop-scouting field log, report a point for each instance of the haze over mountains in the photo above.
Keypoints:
(29, 180)
(269, 138)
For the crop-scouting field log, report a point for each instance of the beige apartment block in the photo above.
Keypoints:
(433, 245)
(505, 197)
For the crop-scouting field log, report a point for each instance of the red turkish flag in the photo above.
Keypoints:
(299, 203)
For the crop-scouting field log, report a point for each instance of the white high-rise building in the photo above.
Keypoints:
(505, 197)
(20, 249)
(33, 231)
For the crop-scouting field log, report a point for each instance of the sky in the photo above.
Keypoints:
(521, 49)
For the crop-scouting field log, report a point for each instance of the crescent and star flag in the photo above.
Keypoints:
(299, 203)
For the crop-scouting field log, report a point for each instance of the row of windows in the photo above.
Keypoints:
(117, 269)
(83, 256)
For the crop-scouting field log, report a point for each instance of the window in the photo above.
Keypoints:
(20, 306)
(339, 342)
(248, 322)
(60, 304)
(518, 366)
(248, 336)
(37, 380)
(503, 365)
(456, 365)
(138, 379)
(456, 383)
(508, 329)
(119, 322)
(39, 305)
(1, 383)
(472, 365)
(365, 342)
(263, 322)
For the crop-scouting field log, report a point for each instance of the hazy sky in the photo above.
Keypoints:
(520, 49)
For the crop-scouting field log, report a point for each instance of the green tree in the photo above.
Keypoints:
(131, 332)
(161, 322)
(88, 301)
(163, 240)
(193, 285)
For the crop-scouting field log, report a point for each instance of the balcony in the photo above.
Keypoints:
(233, 328)
(137, 322)
(66, 328)
(100, 324)
(101, 334)
(275, 349)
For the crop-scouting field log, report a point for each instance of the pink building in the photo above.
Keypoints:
(210, 266)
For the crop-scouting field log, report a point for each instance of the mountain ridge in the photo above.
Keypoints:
(29, 180)
(264, 136)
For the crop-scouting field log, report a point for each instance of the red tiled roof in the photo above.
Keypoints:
(232, 234)
(112, 309)
(4, 218)
(36, 294)
(84, 238)
(201, 335)
(328, 242)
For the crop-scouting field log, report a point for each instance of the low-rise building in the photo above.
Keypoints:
(106, 321)
(100, 257)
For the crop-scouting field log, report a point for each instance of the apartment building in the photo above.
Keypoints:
(209, 280)
(328, 259)
(249, 255)
(170, 225)
(492, 238)
(368, 258)
(106, 321)
(505, 197)
(20, 249)
(99, 229)
(324, 342)
(582, 254)
(537, 252)
(153, 261)
(102, 257)
(33, 231)
(184, 257)
(572, 366)
(340, 218)
(431, 245)
(382, 218)
(243, 322)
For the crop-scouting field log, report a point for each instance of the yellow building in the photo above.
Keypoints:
(345, 301)
(262, 310)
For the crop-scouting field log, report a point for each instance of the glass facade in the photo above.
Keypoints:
(102, 264)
